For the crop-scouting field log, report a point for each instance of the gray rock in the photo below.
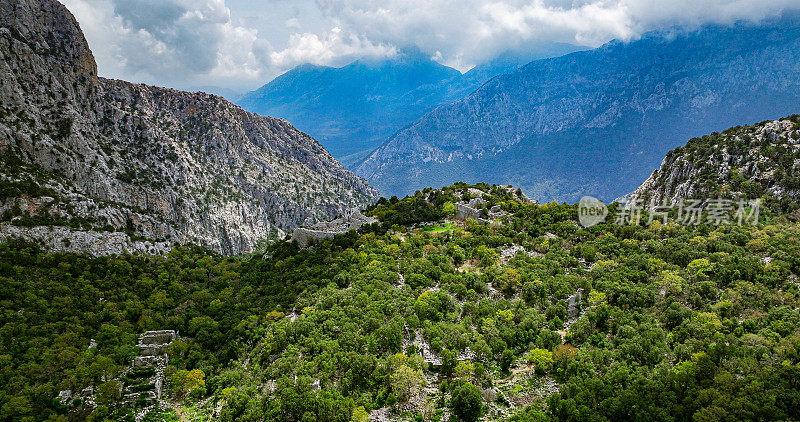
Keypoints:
(158, 164)
(574, 304)
(64, 396)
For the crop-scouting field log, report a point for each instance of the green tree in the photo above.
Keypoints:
(466, 402)
(541, 359)
(449, 209)
(406, 382)
(359, 415)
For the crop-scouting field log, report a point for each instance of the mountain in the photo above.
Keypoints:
(352, 106)
(107, 166)
(509, 61)
(749, 162)
(597, 122)
(355, 108)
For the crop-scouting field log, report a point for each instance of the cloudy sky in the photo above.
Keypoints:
(241, 44)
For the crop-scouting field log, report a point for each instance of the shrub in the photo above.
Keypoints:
(466, 403)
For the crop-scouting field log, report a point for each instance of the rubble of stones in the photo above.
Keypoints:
(475, 207)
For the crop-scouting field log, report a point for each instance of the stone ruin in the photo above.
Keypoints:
(471, 209)
(304, 236)
(154, 343)
(85, 397)
(574, 304)
(144, 383)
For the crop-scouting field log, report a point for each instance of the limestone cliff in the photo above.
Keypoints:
(141, 168)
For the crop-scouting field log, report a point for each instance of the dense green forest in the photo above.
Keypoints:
(675, 322)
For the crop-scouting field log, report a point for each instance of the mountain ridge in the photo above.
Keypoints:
(744, 162)
(599, 121)
(330, 101)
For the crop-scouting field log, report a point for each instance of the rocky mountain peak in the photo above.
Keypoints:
(47, 34)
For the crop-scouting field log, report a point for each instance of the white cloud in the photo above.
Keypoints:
(187, 43)
(293, 23)
(202, 42)
(170, 42)
(468, 31)
(333, 48)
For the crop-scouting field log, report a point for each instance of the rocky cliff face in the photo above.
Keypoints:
(163, 167)
(748, 162)
(597, 122)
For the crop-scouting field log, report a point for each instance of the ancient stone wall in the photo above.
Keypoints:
(305, 236)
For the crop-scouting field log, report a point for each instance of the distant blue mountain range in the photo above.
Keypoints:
(353, 109)
(598, 122)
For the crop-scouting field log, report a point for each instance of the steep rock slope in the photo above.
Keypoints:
(598, 122)
(135, 167)
(761, 160)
